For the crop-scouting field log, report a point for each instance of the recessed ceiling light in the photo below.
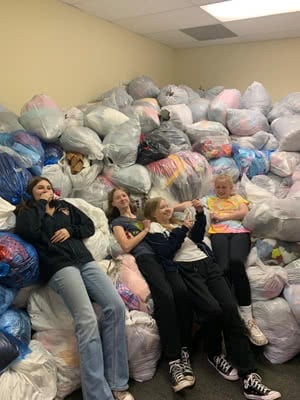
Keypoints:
(244, 9)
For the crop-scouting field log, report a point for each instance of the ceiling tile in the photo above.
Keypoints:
(112, 10)
(173, 38)
(162, 21)
(170, 20)
(271, 23)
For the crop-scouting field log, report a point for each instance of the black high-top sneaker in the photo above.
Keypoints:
(187, 368)
(254, 389)
(178, 380)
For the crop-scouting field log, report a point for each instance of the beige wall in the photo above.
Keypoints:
(276, 64)
(49, 47)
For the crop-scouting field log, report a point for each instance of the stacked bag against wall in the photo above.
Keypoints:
(26, 368)
(170, 142)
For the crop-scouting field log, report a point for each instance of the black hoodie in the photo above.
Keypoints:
(37, 227)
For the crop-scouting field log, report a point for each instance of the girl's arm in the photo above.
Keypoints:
(233, 215)
(29, 222)
(198, 230)
(166, 245)
(182, 206)
(128, 241)
(81, 225)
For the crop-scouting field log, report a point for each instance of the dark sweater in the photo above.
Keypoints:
(37, 227)
(165, 246)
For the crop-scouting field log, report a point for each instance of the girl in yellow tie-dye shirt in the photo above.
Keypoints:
(231, 245)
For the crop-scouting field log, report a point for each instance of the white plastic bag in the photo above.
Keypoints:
(48, 311)
(143, 345)
(276, 320)
(62, 344)
(7, 216)
(32, 378)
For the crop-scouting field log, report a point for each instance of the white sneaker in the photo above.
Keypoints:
(122, 395)
(255, 334)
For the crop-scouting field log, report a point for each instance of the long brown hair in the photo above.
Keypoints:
(112, 211)
(25, 204)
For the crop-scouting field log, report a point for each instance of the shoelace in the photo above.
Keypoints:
(185, 358)
(255, 382)
(223, 364)
(176, 371)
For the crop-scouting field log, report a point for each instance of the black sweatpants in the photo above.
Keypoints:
(215, 303)
(173, 310)
(231, 251)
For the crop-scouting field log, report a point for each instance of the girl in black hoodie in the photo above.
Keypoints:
(57, 229)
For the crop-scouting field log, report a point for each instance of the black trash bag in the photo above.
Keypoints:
(174, 139)
(9, 351)
(151, 149)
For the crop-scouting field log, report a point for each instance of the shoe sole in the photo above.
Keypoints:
(182, 385)
(271, 396)
(256, 343)
(231, 378)
(191, 379)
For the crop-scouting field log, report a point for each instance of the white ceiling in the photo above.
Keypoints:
(163, 20)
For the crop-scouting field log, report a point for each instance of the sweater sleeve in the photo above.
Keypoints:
(81, 225)
(166, 245)
(29, 222)
(198, 230)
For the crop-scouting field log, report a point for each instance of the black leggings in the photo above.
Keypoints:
(172, 306)
(231, 251)
(214, 302)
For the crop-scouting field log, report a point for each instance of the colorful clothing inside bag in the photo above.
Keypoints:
(219, 206)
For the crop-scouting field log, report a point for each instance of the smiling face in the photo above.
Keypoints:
(223, 188)
(163, 212)
(40, 188)
(120, 199)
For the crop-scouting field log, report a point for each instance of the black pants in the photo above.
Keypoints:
(231, 251)
(214, 302)
(173, 311)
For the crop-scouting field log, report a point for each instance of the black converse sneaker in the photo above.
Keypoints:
(224, 367)
(187, 368)
(178, 380)
(254, 389)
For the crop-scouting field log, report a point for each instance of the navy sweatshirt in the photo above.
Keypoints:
(165, 246)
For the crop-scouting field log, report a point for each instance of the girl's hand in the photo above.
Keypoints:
(46, 196)
(220, 217)
(188, 223)
(214, 218)
(128, 235)
(60, 235)
(147, 224)
(196, 203)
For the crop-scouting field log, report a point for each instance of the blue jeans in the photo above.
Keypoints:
(103, 359)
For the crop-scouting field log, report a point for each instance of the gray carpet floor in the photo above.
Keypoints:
(211, 386)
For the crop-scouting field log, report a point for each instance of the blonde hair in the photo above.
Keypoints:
(151, 206)
(226, 179)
